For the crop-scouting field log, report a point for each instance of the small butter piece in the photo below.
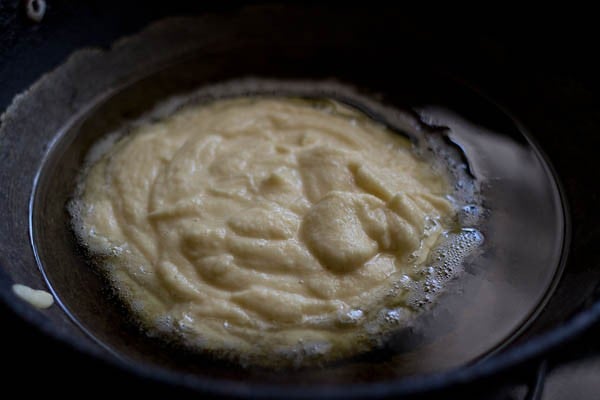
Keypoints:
(37, 298)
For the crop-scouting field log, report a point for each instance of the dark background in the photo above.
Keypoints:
(542, 66)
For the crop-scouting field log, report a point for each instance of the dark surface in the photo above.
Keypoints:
(543, 72)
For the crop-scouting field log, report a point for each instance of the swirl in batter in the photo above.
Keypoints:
(265, 229)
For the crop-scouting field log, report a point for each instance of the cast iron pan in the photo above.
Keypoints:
(427, 60)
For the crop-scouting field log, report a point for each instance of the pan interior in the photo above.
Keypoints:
(499, 293)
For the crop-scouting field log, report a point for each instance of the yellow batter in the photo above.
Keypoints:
(268, 229)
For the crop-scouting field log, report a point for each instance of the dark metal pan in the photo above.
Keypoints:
(409, 61)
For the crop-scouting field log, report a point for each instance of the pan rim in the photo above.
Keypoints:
(421, 384)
